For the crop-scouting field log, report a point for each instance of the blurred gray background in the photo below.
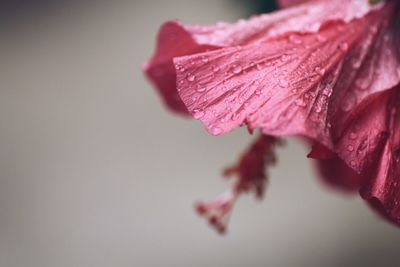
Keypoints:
(95, 172)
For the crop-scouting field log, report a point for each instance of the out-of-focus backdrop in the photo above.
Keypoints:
(95, 172)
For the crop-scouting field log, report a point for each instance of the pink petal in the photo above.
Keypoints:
(250, 174)
(280, 85)
(306, 18)
(337, 174)
(175, 39)
(383, 185)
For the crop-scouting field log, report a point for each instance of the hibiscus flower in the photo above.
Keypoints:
(327, 71)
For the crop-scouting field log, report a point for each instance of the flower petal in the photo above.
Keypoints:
(175, 39)
(334, 171)
(280, 85)
(250, 174)
(384, 176)
(160, 69)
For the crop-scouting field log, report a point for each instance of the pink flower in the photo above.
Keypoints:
(327, 71)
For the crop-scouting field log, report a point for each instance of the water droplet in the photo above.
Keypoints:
(300, 102)
(237, 69)
(201, 89)
(257, 92)
(259, 66)
(204, 59)
(285, 57)
(194, 98)
(344, 46)
(320, 70)
(341, 28)
(321, 38)
(353, 135)
(350, 148)
(191, 77)
(374, 29)
(362, 84)
(318, 109)
(198, 114)
(353, 163)
(295, 39)
(215, 130)
(215, 69)
(356, 64)
(348, 102)
(283, 83)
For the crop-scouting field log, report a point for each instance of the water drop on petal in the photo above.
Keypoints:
(215, 69)
(237, 69)
(201, 89)
(353, 135)
(344, 46)
(204, 59)
(215, 130)
(283, 83)
(300, 102)
(198, 114)
(320, 70)
(191, 77)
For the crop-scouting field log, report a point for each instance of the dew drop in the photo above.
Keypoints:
(285, 57)
(204, 59)
(283, 83)
(215, 69)
(321, 38)
(300, 102)
(362, 84)
(344, 46)
(259, 66)
(353, 163)
(353, 135)
(374, 29)
(198, 114)
(191, 77)
(257, 92)
(318, 109)
(215, 130)
(356, 64)
(350, 148)
(341, 28)
(320, 70)
(295, 39)
(201, 89)
(348, 103)
(237, 69)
